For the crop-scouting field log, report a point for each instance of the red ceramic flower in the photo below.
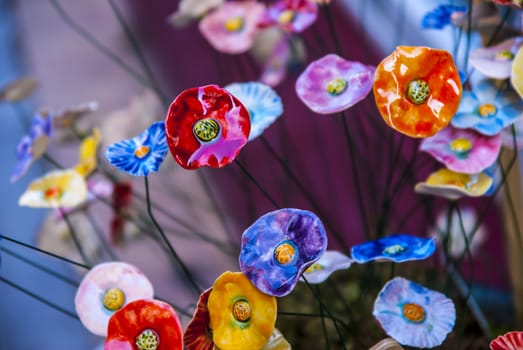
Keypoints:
(206, 125)
(144, 325)
(509, 341)
(417, 90)
(197, 335)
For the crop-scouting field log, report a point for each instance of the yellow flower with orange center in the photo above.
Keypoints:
(452, 185)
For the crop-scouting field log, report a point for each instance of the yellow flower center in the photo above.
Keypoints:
(206, 129)
(314, 267)
(504, 55)
(241, 310)
(285, 253)
(54, 192)
(418, 91)
(141, 151)
(286, 17)
(113, 299)
(234, 24)
(460, 145)
(147, 340)
(336, 86)
(487, 110)
(393, 249)
(414, 312)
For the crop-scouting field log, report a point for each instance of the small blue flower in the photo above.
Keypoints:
(441, 16)
(398, 248)
(263, 103)
(487, 109)
(414, 315)
(141, 154)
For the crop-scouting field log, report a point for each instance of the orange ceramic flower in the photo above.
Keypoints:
(241, 317)
(417, 90)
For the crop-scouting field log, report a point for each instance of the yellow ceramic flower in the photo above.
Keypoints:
(516, 77)
(241, 317)
(449, 184)
(87, 155)
(59, 188)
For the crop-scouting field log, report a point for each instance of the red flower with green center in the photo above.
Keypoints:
(206, 126)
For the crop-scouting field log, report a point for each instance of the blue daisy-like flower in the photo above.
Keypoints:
(279, 247)
(487, 109)
(141, 154)
(262, 102)
(414, 315)
(397, 248)
(441, 16)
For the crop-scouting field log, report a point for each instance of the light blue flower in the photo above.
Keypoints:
(414, 315)
(487, 109)
(441, 16)
(263, 103)
(141, 154)
(397, 248)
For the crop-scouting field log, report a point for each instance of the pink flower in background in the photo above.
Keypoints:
(291, 15)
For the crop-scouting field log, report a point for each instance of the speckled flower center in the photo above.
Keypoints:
(314, 267)
(241, 310)
(234, 24)
(418, 91)
(286, 17)
(336, 86)
(460, 145)
(54, 192)
(393, 249)
(141, 151)
(504, 55)
(113, 299)
(206, 129)
(285, 253)
(147, 340)
(413, 312)
(487, 110)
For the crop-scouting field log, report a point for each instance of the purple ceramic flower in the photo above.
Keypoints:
(279, 247)
(496, 61)
(463, 150)
(333, 84)
(291, 15)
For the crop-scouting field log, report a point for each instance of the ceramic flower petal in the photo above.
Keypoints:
(397, 248)
(387, 344)
(206, 126)
(87, 154)
(242, 317)
(496, 61)
(231, 28)
(189, 10)
(291, 15)
(141, 154)
(277, 342)
(330, 262)
(198, 334)
(144, 325)
(516, 74)
(514, 3)
(451, 185)
(332, 84)
(442, 16)
(417, 90)
(279, 246)
(262, 102)
(18, 89)
(414, 315)
(508, 341)
(463, 150)
(106, 288)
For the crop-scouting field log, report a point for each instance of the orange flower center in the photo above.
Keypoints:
(53, 193)
(336, 86)
(234, 24)
(147, 340)
(285, 253)
(461, 145)
(141, 151)
(487, 110)
(393, 249)
(241, 310)
(286, 17)
(418, 91)
(413, 312)
(314, 267)
(113, 299)
(504, 55)
(206, 129)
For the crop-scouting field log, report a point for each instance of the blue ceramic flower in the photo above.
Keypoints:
(487, 109)
(441, 16)
(398, 248)
(414, 315)
(263, 103)
(279, 247)
(141, 154)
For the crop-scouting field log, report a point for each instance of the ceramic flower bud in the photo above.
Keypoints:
(241, 317)
(87, 160)
(333, 84)
(496, 61)
(516, 74)
(206, 126)
(508, 341)
(330, 262)
(417, 90)
(279, 247)
(198, 333)
(291, 15)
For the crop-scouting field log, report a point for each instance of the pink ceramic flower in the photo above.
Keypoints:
(496, 61)
(291, 15)
(333, 84)
(463, 150)
(508, 341)
(232, 27)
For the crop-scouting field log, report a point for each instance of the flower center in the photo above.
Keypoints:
(461, 145)
(206, 129)
(141, 151)
(147, 340)
(241, 310)
(234, 24)
(487, 110)
(413, 312)
(285, 253)
(314, 267)
(504, 55)
(53, 193)
(113, 299)
(418, 91)
(393, 249)
(336, 86)
(286, 17)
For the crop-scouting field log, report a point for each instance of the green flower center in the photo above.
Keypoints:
(113, 299)
(206, 129)
(487, 110)
(286, 17)
(393, 249)
(241, 310)
(234, 24)
(504, 55)
(141, 151)
(413, 312)
(418, 91)
(147, 340)
(460, 146)
(336, 86)
(285, 253)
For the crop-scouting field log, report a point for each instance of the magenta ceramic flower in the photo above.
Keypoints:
(333, 84)
(291, 15)
(463, 150)
(232, 27)
(496, 61)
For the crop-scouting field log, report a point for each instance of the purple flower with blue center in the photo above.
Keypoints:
(397, 248)
(279, 246)
(442, 16)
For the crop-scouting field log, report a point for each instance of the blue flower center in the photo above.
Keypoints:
(141, 151)
(487, 110)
